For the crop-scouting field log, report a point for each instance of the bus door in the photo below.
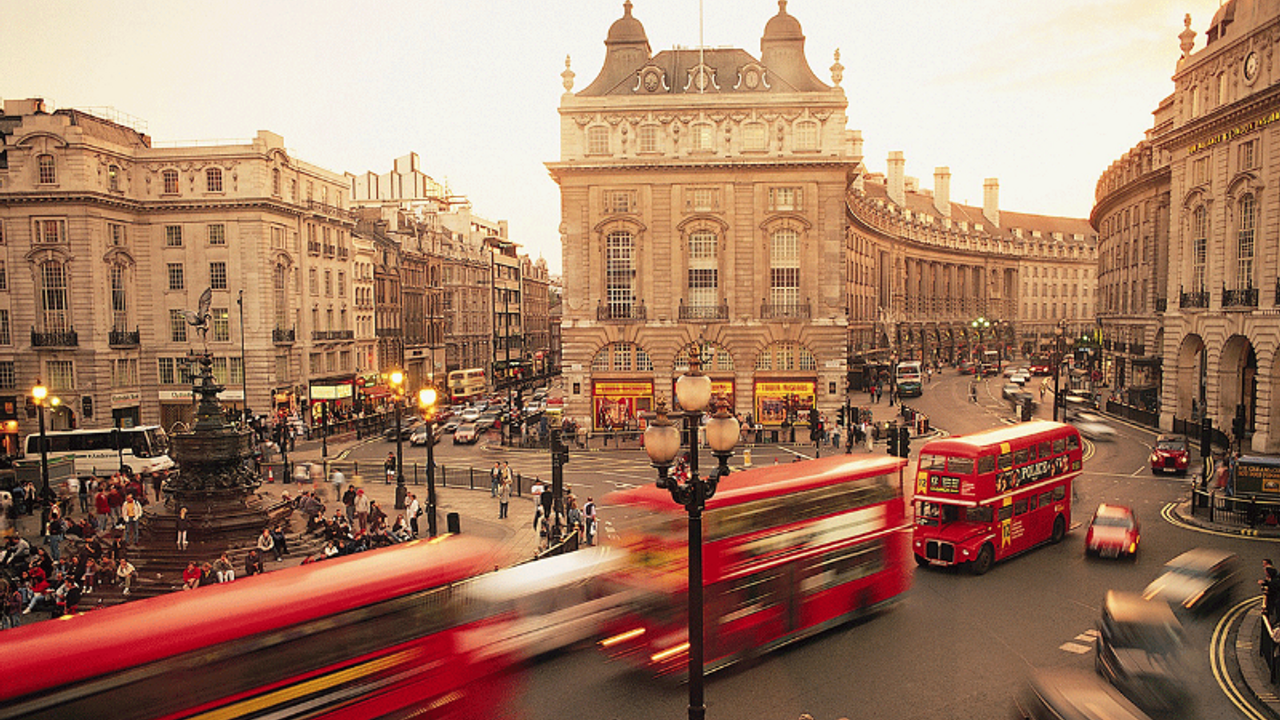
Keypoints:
(752, 611)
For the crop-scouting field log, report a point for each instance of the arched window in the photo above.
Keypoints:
(620, 273)
(704, 289)
(48, 171)
(784, 268)
(170, 181)
(806, 137)
(622, 357)
(1199, 247)
(213, 179)
(119, 298)
(786, 356)
(53, 297)
(1246, 212)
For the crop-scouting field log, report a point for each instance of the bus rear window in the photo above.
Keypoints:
(1073, 442)
(960, 465)
(933, 462)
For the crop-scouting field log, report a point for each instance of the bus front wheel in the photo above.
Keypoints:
(1059, 530)
(982, 563)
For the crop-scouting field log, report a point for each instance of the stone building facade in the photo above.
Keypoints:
(1201, 179)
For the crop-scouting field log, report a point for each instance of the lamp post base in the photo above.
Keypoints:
(401, 492)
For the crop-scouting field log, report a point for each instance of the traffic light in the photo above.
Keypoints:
(892, 448)
(904, 442)
(840, 415)
(1206, 436)
(86, 406)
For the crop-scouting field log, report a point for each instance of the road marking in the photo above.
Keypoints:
(1171, 518)
(1218, 658)
(1076, 648)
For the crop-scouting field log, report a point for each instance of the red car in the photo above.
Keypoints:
(1170, 455)
(1113, 532)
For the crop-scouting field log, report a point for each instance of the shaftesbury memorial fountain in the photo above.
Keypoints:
(216, 481)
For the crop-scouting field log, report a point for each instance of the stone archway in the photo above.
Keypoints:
(1192, 375)
(1237, 381)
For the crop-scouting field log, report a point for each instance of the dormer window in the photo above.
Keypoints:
(48, 172)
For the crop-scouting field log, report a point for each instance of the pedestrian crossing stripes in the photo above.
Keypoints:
(1081, 643)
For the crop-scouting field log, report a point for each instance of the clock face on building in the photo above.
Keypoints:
(651, 81)
(1251, 66)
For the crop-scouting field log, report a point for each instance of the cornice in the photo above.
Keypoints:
(1177, 140)
(142, 206)
(1148, 181)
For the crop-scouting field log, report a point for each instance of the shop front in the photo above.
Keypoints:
(126, 411)
(331, 397)
(179, 406)
(721, 394)
(776, 401)
(617, 404)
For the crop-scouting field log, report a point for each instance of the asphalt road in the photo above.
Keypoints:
(957, 646)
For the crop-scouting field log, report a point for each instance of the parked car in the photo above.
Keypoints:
(1139, 650)
(1170, 455)
(407, 426)
(1065, 694)
(1094, 427)
(1197, 580)
(466, 433)
(1113, 532)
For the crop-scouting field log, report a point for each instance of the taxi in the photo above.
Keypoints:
(1113, 532)
(1169, 454)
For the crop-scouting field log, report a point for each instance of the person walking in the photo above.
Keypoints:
(183, 525)
(504, 498)
(389, 465)
(85, 487)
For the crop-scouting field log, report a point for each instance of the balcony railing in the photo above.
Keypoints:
(1198, 299)
(622, 312)
(1240, 297)
(389, 332)
(704, 312)
(124, 338)
(784, 311)
(65, 338)
(329, 335)
(283, 336)
(330, 210)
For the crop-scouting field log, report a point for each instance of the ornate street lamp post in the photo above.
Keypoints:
(427, 402)
(397, 390)
(39, 393)
(1058, 332)
(980, 325)
(662, 443)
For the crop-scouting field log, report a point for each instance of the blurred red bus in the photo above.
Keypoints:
(983, 497)
(789, 551)
(379, 634)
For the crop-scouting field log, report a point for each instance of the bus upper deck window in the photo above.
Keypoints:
(1021, 456)
(1044, 449)
(1073, 442)
(1059, 445)
(960, 465)
(986, 464)
(933, 462)
(1005, 461)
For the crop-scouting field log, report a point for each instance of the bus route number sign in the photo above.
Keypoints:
(944, 484)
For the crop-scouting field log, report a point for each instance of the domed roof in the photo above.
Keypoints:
(782, 26)
(626, 29)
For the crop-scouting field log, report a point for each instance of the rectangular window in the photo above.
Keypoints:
(342, 284)
(328, 283)
(1245, 243)
(703, 270)
(619, 201)
(177, 326)
(4, 276)
(8, 375)
(176, 279)
(170, 180)
(702, 199)
(53, 297)
(648, 138)
(1200, 171)
(49, 231)
(6, 338)
(61, 374)
(806, 137)
(785, 198)
(702, 137)
(217, 234)
(117, 234)
(47, 169)
(619, 273)
(166, 368)
(317, 363)
(173, 235)
(313, 281)
(221, 324)
(124, 372)
(218, 275)
(1246, 155)
(598, 140)
(755, 137)
(213, 179)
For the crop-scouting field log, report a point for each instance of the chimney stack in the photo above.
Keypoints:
(942, 191)
(991, 200)
(897, 192)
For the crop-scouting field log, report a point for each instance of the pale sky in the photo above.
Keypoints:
(1042, 94)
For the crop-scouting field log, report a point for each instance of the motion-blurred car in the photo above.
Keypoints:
(1139, 650)
(407, 426)
(1021, 377)
(1062, 694)
(469, 415)
(1009, 390)
(1170, 455)
(487, 420)
(967, 368)
(1094, 427)
(1197, 580)
(419, 436)
(1113, 532)
(1020, 398)
(450, 425)
(465, 434)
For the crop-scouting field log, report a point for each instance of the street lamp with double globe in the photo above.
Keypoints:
(39, 394)
(397, 388)
(1059, 336)
(662, 443)
(427, 403)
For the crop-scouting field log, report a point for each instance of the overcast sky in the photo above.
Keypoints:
(1041, 94)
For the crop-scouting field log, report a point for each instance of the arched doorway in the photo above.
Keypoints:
(1191, 382)
(1238, 382)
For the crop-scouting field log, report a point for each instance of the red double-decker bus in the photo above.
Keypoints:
(379, 634)
(983, 497)
(789, 550)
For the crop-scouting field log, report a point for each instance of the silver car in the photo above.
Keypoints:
(1094, 427)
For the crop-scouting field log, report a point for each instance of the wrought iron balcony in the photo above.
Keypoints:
(329, 335)
(784, 311)
(704, 312)
(124, 338)
(389, 332)
(329, 210)
(1240, 297)
(635, 312)
(65, 338)
(283, 336)
(1198, 299)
